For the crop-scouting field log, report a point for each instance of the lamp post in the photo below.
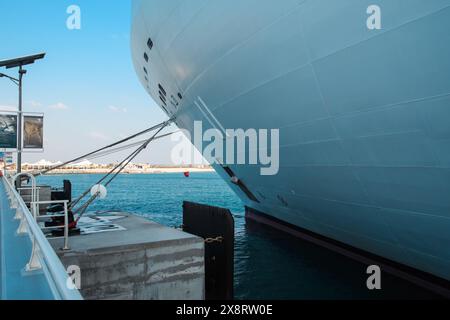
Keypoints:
(13, 63)
(22, 72)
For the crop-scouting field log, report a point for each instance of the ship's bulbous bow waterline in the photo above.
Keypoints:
(363, 114)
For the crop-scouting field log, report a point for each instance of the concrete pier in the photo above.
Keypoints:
(147, 261)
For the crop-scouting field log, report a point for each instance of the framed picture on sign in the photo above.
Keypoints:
(33, 132)
(8, 131)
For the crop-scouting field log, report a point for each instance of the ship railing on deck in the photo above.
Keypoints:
(42, 257)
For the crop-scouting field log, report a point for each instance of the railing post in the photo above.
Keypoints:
(14, 204)
(18, 214)
(13, 201)
(22, 226)
(34, 263)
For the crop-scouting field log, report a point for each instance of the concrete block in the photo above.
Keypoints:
(147, 261)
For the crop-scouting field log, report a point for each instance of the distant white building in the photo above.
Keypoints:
(85, 164)
(41, 164)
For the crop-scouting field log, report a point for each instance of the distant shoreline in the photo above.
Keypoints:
(130, 171)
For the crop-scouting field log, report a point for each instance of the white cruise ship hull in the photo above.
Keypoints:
(364, 115)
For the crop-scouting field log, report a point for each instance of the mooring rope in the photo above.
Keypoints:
(158, 126)
(74, 203)
(122, 165)
(128, 146)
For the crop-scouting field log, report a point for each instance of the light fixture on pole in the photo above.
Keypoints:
(14, 63)
(14, 80)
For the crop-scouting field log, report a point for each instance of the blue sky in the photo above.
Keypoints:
(86, 86)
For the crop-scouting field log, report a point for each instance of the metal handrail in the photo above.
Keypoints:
(34, 189)
(36, 204)
(33, 183)
(28, 188)
(54, 270)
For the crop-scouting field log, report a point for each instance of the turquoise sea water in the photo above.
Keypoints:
(268, 263)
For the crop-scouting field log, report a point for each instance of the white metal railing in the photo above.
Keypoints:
(35, 210)
(43, 257)
(35, 205)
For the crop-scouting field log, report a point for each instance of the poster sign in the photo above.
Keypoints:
(8, 131)
(33, 132)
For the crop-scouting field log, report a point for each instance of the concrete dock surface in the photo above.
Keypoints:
(144, 261)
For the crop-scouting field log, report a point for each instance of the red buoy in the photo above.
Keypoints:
(187, 174)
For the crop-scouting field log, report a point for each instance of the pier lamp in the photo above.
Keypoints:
(14, 63)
